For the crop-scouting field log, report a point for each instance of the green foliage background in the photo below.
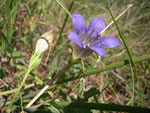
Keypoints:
(111, 79)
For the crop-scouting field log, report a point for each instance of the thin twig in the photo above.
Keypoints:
(66, 67)
(47, 58)
(37, 96)
(129, 6)
(46, 87)
(5, 84)
(38, 105)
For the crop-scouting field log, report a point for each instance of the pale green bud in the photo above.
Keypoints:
(41, 45)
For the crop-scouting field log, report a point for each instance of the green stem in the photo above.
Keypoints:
(109, 67)
(91, 72)
(24, 79)
(20, 87)
(65, 21)
(129, 54)
(8, 92)
(21, 103)
(62, 5)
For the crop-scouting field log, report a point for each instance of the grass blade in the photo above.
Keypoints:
(107, 107)
(61, 31)
(63, 6)
(129, 54)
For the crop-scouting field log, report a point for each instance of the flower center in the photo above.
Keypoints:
(89, 37)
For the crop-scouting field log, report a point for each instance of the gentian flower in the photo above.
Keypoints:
(87, 38)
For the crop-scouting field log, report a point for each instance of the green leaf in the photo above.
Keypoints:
(11, 109)
(2, 73)
(35, 60)
(81, 87)
(77, 68)
(38, 80)
(103, 107)
(91, 92)
(53, 109)
(28, 110)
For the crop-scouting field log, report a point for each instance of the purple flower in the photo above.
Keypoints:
(87, 38)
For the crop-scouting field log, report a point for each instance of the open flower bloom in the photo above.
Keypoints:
(87, 38)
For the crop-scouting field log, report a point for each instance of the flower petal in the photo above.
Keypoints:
(78, 22)
(97, 24)
(98, 50)
(75, 38)
(109, 41)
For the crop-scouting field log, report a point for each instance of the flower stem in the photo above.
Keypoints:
(65, 68)
(62, 5)
(24, 79)
(20, 87)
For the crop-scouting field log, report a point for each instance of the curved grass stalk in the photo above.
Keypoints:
(62, 5)
(129, 54)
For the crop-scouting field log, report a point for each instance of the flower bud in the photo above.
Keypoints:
(48, 36)
(41, 45)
